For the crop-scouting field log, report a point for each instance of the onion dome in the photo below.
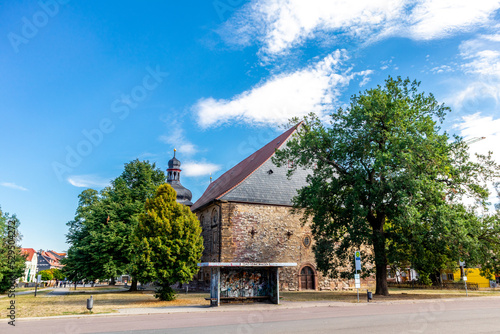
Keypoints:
(173, 178)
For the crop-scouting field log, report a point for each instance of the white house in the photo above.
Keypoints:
(31, 264)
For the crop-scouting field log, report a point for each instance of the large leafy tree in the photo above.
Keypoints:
(491, 242)
(387, 180)
(169, 242)
(100, 234)
(12, 262)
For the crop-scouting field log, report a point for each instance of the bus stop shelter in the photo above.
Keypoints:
(243, 281)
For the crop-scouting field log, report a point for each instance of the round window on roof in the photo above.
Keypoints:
(306, 241)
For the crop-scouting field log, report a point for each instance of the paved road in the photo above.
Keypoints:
(475, 315)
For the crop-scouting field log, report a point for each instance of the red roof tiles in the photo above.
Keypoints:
(29, 251)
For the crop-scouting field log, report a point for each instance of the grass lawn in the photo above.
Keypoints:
(395, 294)
(105, 302)
(27, 289)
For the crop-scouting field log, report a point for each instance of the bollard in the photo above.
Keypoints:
(90, 303)
(369, 295)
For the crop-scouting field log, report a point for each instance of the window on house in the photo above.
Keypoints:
(450, 277)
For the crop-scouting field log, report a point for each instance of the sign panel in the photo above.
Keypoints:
(247, 264)
(39, 279)
(357, 280)
(357, 257)
(465, 278)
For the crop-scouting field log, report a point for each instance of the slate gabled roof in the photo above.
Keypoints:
(56, 254)
(237, 184)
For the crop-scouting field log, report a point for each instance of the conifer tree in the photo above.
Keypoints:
(169, 242)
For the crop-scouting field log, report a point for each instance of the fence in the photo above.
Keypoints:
(442, 286)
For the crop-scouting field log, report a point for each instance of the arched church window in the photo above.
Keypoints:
(215, 216)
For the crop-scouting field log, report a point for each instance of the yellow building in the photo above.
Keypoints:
(473, 276)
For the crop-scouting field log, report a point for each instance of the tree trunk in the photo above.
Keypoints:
(133, 286)
(112, 281)
(380, 258)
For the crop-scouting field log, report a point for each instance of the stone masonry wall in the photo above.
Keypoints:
(261, 233)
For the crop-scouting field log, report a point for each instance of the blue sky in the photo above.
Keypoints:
(87, 86)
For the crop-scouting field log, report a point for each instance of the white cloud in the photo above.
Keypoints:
(177, 139)
(483, 55)
(481, 63)
(441, 69)
(12, 186)
(283, 96)
(477, 126)
(432, 19)
(278, 25)
(195, 169)
(88, 181)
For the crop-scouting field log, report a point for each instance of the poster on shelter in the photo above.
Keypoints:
(244, 282)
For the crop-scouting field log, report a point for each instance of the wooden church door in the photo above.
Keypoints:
(307, 278)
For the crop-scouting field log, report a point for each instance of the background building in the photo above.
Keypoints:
(31, 264)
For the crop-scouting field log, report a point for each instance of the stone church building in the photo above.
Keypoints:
(245, 216)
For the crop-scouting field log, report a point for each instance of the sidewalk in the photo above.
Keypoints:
(281, 306)
(234, 307)
(58, 292)
(27, 292)
(67, 291)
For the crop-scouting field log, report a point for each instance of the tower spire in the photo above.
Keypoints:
(174, 179)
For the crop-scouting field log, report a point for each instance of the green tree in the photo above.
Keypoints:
(100, 235)
(169, 242)
(490, 241)
(384, 176)
(57, 273)
(47, 275)
(12, 262)
(82, 260)
(75, 265)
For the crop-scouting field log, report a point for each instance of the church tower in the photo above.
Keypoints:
(173, 178)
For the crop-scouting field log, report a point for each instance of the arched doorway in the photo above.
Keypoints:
(307, 279)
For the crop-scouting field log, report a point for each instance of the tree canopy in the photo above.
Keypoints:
(387, 180)
(12, 262)
(50, 274)
(169, 242)
(100, 234)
